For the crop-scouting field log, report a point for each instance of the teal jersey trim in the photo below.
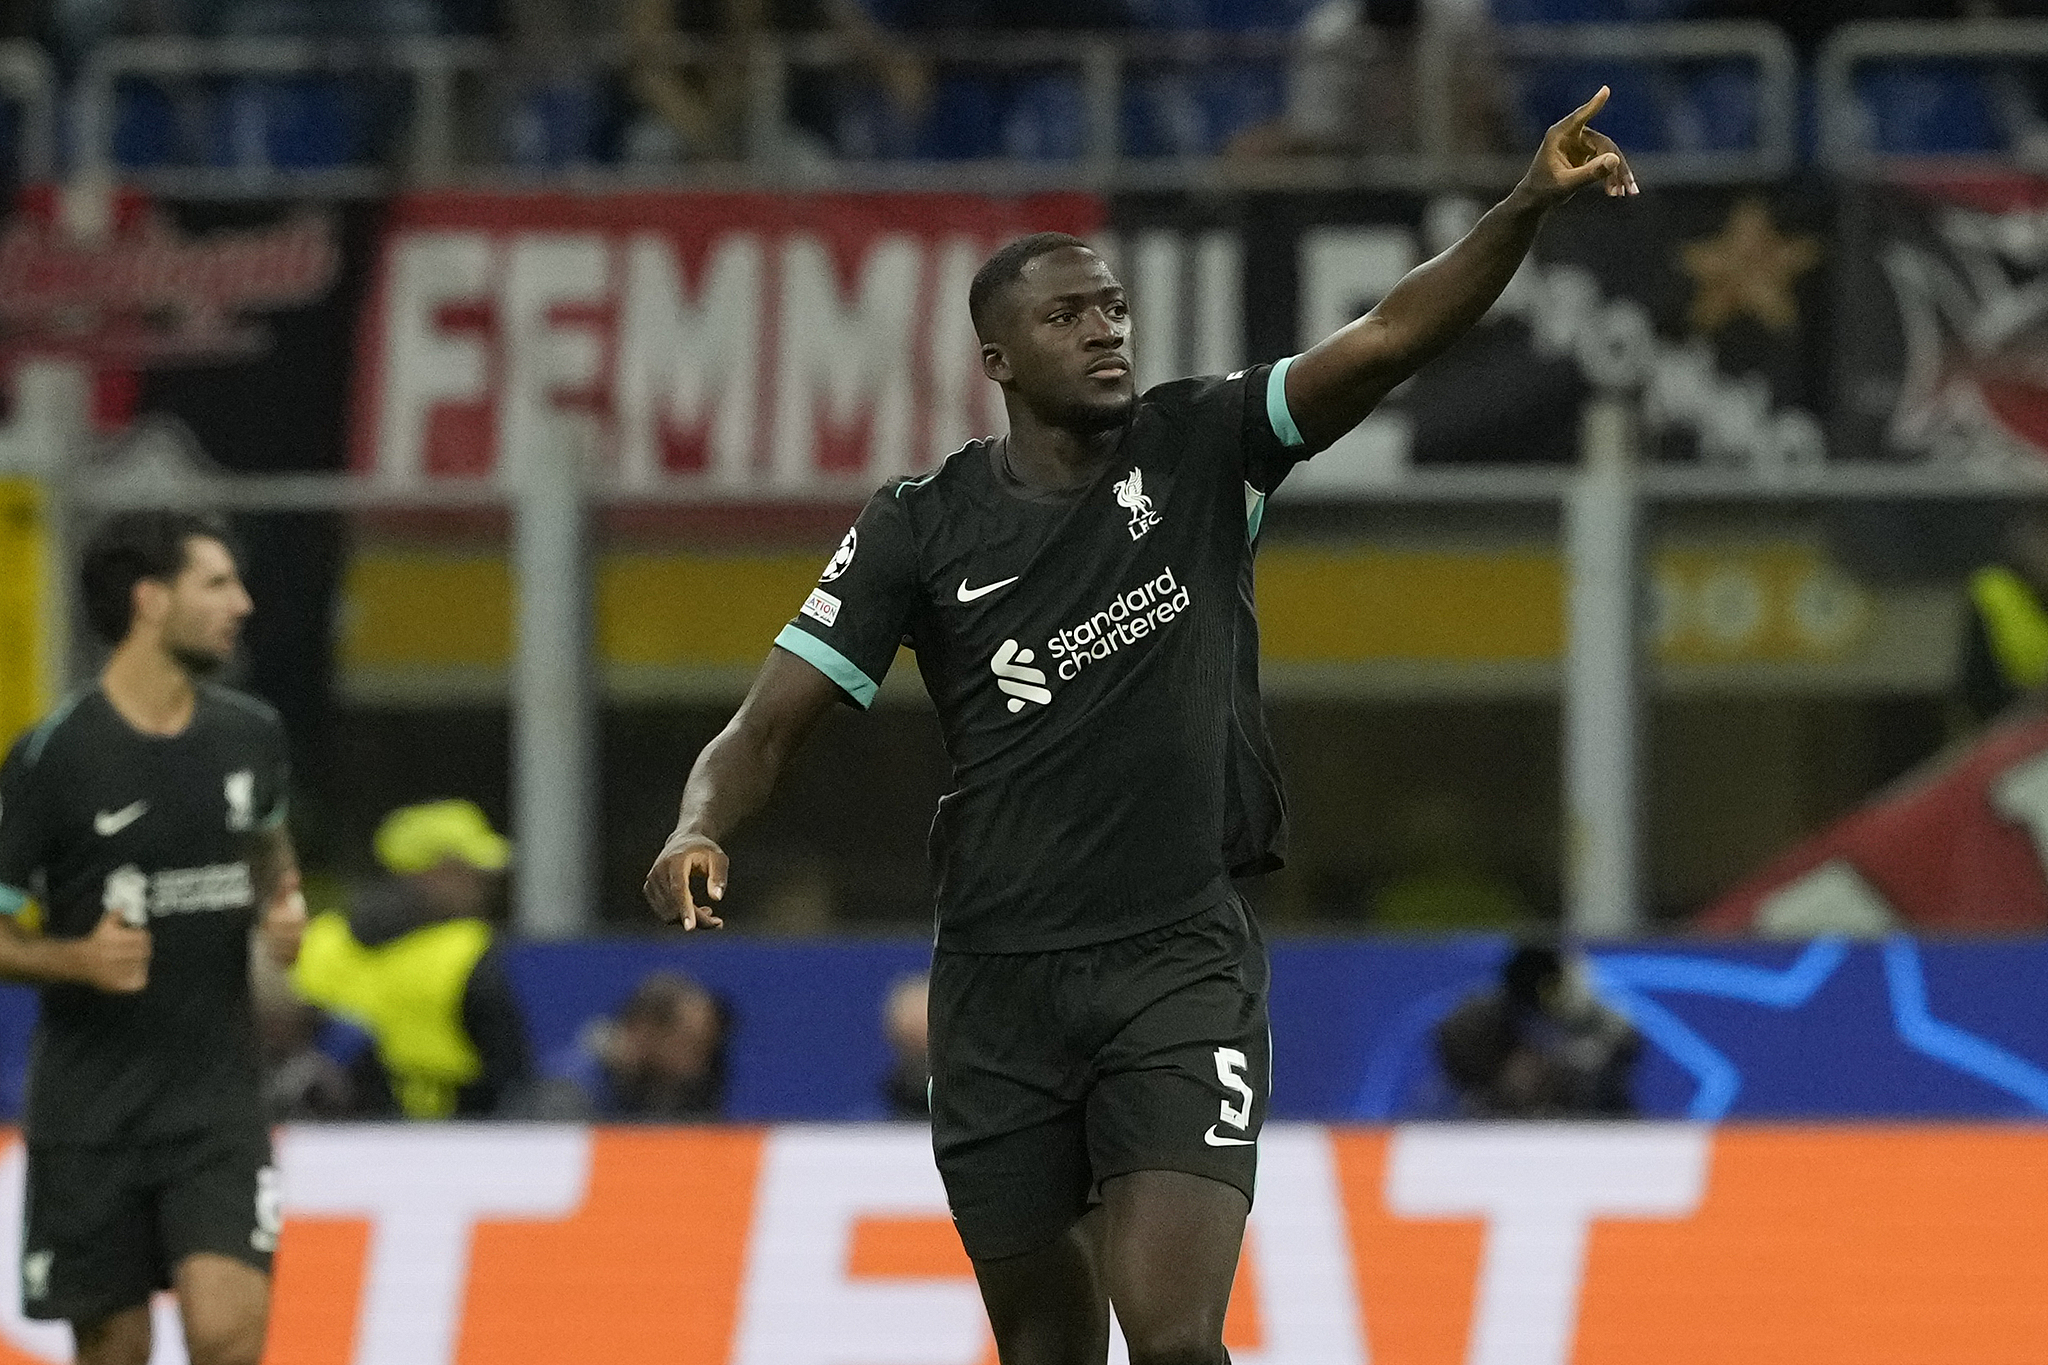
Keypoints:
(41, 734)
(1276, 405)
(830, 662)
(1254, 513)
(916, 483)
(12, 900)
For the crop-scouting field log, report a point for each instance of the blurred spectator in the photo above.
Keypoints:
(300, 1079)
(699, 109)
(1442, 880)
(1351, 86)
(661, 1060)
(1538, 1046)
(906, 1091)
(415, 964)
(2005, 636)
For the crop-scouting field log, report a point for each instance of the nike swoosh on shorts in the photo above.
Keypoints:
(1214, 1140)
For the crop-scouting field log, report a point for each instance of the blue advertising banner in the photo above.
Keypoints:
(1899, 1029)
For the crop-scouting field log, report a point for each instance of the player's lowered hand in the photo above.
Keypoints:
(284, 924)
(114, 957)
(1574, 156)
(671, 884)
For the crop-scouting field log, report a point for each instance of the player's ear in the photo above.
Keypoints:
(148, 601)
(994, 363)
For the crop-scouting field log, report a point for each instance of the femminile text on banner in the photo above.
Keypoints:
(749, 345)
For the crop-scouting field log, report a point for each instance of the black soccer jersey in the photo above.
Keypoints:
(1090, 659)
(96, 816)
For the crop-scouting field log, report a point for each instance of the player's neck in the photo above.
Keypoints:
(148, 688)
(1053, 459)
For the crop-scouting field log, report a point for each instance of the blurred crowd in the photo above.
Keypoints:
(667, 81)
(400, 1007)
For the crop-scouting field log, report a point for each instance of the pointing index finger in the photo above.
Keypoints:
(1578, 118)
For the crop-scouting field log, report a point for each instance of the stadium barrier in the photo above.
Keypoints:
(1145, 110)
(1430, 1245)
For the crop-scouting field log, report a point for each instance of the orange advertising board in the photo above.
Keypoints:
(1429, 1245)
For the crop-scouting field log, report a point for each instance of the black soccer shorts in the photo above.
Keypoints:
(105, 1226)
(1053, 1072)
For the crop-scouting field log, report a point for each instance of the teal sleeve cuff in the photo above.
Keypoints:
(1277, 415)
(830, 662)
(12, 900)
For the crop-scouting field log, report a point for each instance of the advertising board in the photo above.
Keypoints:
(1428, 1245)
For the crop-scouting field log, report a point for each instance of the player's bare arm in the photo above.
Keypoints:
(280, 896)
(730, 780)
(1337, 383)
(114, 957)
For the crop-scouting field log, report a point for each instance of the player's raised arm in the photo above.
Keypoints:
(1335, 384)
(731, 780)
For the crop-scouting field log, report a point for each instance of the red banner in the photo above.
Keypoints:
(754, 344)
(1959, 846)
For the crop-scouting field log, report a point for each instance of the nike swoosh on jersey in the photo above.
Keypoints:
(968, 594)
(1216, 1140)
(109, 823)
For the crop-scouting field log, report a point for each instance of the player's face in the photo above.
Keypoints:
(204, 607)
(1065, 346)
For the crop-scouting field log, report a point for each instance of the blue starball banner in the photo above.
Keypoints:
(1898, 1029)
(1730, 1030)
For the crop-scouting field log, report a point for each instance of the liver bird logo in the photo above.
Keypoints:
(1130, 493)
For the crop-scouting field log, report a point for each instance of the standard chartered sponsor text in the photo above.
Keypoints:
(1129, 617)
(182, 890)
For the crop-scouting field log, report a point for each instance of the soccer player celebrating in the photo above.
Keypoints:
(1078, 597)
(146, 816)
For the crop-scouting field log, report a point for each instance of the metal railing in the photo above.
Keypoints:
(437, 85)
(1777, 106)
(27, 82)
(428, 69)
(1845, 142)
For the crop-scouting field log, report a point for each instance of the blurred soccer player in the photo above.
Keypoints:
(1076, 596)
(146, 816)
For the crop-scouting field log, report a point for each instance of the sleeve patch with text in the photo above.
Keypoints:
(821, 606)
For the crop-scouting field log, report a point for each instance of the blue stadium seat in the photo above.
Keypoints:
(1712, 108)
(554, 125)
(963, 122)
(1233, 99)
(1635, 113)
(1587, 11)
(1160, 116)
(293, 123)
(145, 131)
(1928, 107)
(1046, 118)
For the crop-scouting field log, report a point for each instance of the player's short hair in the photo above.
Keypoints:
(131, 546)
(1006, 267)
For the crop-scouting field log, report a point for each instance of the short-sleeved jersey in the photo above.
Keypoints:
(96, 816)
(1094, 662)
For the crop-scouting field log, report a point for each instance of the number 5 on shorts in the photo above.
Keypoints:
(1230, 1065)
